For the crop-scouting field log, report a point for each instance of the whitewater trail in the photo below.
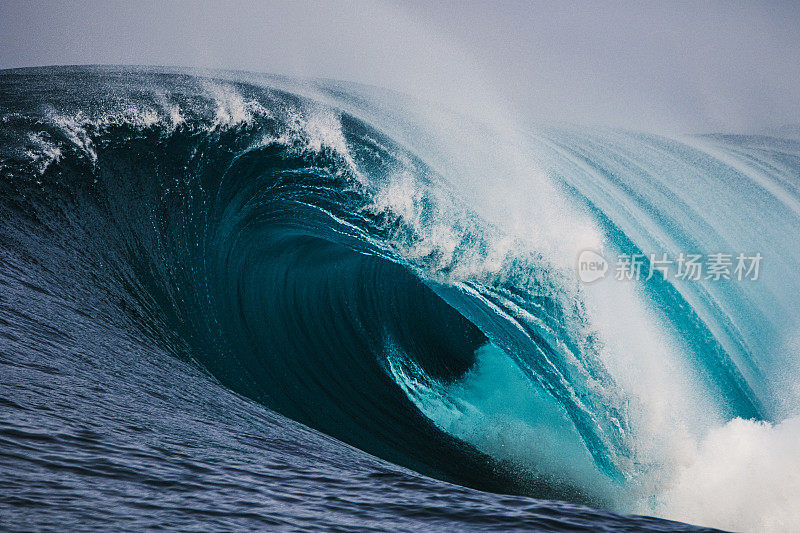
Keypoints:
(403, 279)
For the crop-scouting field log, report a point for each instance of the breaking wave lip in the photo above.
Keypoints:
(314, 263)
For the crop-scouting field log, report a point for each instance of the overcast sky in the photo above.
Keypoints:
(677, 67)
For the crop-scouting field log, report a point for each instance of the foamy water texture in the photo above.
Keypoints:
(228, 289)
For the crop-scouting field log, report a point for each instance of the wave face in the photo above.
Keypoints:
(187, 259)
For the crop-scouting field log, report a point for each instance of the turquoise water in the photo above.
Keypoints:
(239, 300)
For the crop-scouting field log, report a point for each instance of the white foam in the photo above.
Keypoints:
(74, 128)
(316, 129)
(232, 109)
(43, 152)
(744, 475)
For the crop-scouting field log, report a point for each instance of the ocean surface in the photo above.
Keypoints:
(231, 300)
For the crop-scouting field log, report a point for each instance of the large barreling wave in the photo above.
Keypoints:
(402, 279)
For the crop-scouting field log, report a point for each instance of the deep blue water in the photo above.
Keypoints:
(237, 301)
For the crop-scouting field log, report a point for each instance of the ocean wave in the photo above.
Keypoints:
(315, 259)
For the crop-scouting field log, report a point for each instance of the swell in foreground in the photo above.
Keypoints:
(193, 264)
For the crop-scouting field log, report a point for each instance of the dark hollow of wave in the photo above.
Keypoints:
(259, 262)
